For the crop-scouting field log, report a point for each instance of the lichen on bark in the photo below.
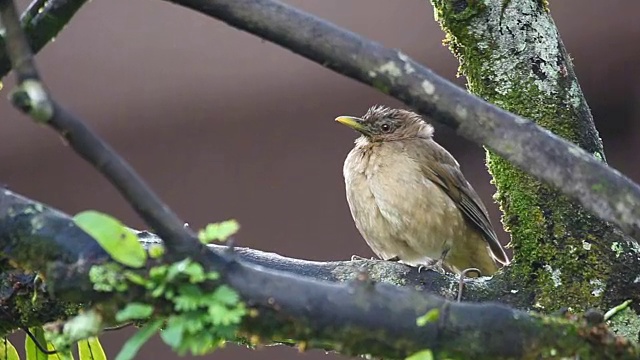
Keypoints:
(512, 56)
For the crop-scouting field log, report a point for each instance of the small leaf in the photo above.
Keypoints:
(134, 311)
(421, 355)
(135, 278)
(174, 332)
(91, 349)
(131, 347)
(30, 347)
(431, 316)
(59, 355)
(226, 295)
(7, 350)
(195, 272)
(189, 298)
(116, 239)
(218, 231)
(156, 251)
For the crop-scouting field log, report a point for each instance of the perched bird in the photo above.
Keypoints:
(409, 199)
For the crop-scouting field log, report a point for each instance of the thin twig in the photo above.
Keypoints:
(31, 97)
(40, 347)
(616, 309)
(600, 189)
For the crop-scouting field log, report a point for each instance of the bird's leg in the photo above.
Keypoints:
(463, 274)
(438, 265)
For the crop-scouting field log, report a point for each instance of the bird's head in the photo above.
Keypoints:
(384, 124)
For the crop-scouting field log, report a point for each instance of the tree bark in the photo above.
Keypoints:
(354, 315)
(512, 56)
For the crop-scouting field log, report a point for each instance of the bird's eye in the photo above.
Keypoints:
(385, 127)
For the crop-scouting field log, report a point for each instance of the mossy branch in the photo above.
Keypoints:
(511, 55)
(358, 316)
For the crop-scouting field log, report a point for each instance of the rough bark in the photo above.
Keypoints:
(358, 316)
(511, 55)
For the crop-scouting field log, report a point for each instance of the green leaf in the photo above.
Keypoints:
(218, 231)
(135, 278)
(421, 355)
(196, 272)
(7, 350)
(131, 347)
(431, 316)
(174, 332)
(134, 311)
(178, 268)
(33, 351)
(226, 295)
(116, 239)
(59, 355)
(91, 349)
(189, 298)
(221, 315)
(156, 251)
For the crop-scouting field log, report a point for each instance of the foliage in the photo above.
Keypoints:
(198, 314)
(115, 238)
(193, 312)
(218, 231)
(89, 349)
(431, 316)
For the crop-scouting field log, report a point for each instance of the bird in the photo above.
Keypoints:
(409, 199)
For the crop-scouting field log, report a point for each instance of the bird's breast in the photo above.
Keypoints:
(396, 208)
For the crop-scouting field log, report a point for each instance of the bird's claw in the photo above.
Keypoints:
(437, 267)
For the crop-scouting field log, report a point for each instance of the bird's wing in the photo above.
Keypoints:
(441, 168)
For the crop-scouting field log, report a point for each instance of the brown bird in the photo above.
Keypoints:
(409, 199)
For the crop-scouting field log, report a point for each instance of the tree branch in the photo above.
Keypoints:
(602, 190)
(32, 98)
(535, 79)
(324, 314)
(42, 21)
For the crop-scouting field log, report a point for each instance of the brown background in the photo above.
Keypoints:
(223, 124)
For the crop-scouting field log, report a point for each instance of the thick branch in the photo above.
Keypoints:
(353, 317)
(601, 189)
(554, 241)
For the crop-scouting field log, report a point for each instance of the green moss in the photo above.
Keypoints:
(35, 310)
(381, 86)
(626, 323)
(510, 54)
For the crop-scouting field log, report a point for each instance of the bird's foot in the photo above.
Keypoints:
(436, 266)
(463, 274)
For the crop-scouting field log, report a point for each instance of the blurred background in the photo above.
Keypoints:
(224, 125)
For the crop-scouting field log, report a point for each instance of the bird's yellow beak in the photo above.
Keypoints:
(352, 122)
